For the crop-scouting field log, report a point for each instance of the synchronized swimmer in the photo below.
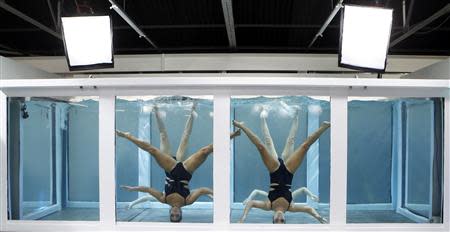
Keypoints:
(282, 170)
(178, 171)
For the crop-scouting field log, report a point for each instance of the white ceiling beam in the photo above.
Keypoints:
(231, 62)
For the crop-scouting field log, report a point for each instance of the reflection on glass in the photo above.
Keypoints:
(53, 158)
(394, 160)
(282, 134)
(155, 181)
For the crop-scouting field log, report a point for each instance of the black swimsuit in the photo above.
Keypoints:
(280, 183)
(173, 181)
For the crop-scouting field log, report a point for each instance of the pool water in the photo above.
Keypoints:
(394, 156)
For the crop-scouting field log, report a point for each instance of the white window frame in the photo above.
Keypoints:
(222, 87)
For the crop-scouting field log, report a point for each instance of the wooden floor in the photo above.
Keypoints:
(206, 216)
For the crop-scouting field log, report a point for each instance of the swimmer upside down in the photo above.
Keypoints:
(178, 171)
(281, 171)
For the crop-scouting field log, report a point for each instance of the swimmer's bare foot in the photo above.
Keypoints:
(194, 105)
(235, 134)
(326, 123)
(155, 108)
(128, 188)
(122, 134)
(264, 113)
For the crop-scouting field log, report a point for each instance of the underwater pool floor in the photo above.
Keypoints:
(205, 216)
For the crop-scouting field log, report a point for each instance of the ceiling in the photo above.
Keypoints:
(199, 26)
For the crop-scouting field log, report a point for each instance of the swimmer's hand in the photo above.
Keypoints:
(315, 198)
(322, 220)
(210, 196)
(122, 134)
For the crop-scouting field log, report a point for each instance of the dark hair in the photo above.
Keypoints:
(281, 221)
(175, 218)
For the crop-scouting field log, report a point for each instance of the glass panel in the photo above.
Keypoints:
(53, 158)
(419, 150)
(158, 125)
(37, 176)
(297, 126)
(394, 154)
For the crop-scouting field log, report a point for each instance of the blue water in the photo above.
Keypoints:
(129, 117)
(70, 132)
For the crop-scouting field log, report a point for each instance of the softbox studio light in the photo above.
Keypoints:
(88, 42)
(364, 40)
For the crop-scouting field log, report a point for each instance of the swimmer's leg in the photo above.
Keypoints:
(164, 160)
(264, 205)
(269, 161)
(186, 134)
(267, 138)
(163, 136)
(290, 140)
(308, 210)
(295, 160)
(195, 160)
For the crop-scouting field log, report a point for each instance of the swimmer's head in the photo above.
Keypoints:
(278, 218)
(175, 214)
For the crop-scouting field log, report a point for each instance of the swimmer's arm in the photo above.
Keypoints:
(264, 205)
(155, 193)
(141, 200)
(254, 194)
(301, 190)
(306, 209)
(195, 194)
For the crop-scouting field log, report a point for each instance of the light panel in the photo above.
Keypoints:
(88, 42)
(365, 34)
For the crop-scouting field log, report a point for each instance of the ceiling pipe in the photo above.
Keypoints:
(229, 22)
(408, 17)
(327, 22)
(404, 13)
(130, 22)
(417, 27)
